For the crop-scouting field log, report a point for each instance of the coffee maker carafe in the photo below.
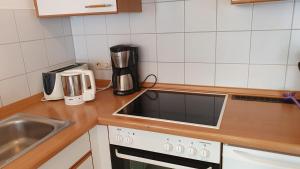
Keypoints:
(125, 76)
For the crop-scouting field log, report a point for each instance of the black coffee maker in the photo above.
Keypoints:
(125, 78)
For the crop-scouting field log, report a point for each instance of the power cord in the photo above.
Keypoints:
(155, 80)
(104, 88)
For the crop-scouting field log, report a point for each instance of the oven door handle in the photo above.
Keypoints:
(150, 161)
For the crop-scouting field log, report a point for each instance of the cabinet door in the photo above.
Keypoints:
(69, 155)
(74, 7)
(86, 162)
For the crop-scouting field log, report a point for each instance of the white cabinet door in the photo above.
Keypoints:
(69, 155)
(100, 147)
(75, 7)
(242, 158)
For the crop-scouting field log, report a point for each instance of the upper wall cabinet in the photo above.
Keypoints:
(249, 1)
(48, 8)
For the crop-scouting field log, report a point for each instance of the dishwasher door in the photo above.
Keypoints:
(242, 158)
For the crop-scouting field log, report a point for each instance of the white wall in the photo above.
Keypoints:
(202, 42)
(16, 4)
(28, 47)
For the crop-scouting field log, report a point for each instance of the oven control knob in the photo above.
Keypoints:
(204, 153)
(119, 138)
(128, 140)
(179, 149)
(168, 147)
(192, 151)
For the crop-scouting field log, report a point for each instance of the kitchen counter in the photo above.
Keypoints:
(259, 125)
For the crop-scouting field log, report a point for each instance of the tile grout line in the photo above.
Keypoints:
(289, 48)
(250, 50)
(184, 43)
(216, 41)
(22, 55)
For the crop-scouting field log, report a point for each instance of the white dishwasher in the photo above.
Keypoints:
(242, 158)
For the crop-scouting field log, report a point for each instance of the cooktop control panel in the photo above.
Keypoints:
(185, 147)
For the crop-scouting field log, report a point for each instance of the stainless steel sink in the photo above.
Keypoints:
(22, 132)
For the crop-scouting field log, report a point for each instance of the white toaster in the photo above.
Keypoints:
(53, 89)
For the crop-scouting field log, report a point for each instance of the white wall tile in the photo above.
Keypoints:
(232, 75)
(294, 54)
(56, 51)
(35, 81)
(267, 76)
(233, 47)
(200, 15)
(170, 17)
(53, 27)
(80, 48)
(143, 22)
(11, 61)
(67, 25)
(14, 89)
(29, 26)
(69, 46)
(34, 54)
(77, 25)
(97, 48)
(171, 73)
(200, 47)
(95, 24)
(118, 40)
(292, 78)
(277, 15)
(270, 47)
(170, 47)
(234, 17)
(147, 46)
(118, 24)
(147, 68)
(296, 23)
(200, 74)
(103, 74)
(8, 33)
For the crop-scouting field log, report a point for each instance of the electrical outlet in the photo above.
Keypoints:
(103, 65)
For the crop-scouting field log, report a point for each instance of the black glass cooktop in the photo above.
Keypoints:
(203, 109)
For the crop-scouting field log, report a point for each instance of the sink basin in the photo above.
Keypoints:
(22, 132)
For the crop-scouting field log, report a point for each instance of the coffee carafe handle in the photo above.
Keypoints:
(88, 94)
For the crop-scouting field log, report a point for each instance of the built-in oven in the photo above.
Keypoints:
(137, 149)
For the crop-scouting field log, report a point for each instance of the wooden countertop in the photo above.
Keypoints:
(266, 126)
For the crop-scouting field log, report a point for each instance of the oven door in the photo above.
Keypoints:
(129, 158)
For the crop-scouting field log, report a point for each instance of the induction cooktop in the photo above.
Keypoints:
(197, 109)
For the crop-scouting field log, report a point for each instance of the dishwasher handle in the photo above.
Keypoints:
(150, 161)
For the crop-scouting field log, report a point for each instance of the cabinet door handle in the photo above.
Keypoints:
(98, 6)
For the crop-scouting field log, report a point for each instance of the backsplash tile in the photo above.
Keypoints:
(171, 73)
(170, 17)
(273, 15)
(8, 33)
(292, 78)
(267, 76)
(29, 27)
(170, 47)
(34, 54)
(200, 74)
(234, 17)
(14, 89)
(200, 47)
(233, 47)
(270, 47)
(93, 24)
(11, 61)
(28, 47)
(200, 15)
(202, 42)
(233, 75)
(296, 23)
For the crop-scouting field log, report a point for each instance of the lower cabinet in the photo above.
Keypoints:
(75, 156)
